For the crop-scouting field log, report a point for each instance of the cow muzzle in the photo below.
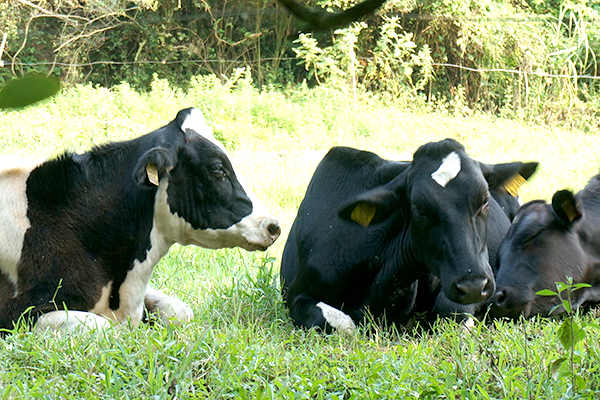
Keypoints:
(510, 302)
(267, 233)
(472, 289)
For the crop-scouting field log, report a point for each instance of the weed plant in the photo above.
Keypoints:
(241, 343)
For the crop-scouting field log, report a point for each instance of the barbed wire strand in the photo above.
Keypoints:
(207, 61)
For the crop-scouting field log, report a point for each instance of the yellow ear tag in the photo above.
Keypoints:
(363, 214)
(569, 210)
(152, 173)
(513, 185)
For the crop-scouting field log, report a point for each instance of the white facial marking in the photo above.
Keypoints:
(196, 122)
(13, 212)
(336, 318)
(71, 322)
(448, 170)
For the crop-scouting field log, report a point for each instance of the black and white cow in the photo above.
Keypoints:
(545, 244)
(368, 229)
(81, 234)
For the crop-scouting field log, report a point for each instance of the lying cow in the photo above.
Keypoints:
(368, 229)
(545, 244)
(83, 232)
(504, 190)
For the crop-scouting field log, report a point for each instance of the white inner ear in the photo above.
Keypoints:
(448, 170)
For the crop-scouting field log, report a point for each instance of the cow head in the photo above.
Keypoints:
(200, 200)
(541, 248)
(444, 201)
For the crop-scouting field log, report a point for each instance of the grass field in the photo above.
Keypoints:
(241, 343)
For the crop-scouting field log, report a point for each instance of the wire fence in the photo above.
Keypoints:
(267, 59)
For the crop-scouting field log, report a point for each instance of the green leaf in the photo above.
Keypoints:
(554, 309)
(555, 367)
(24, 91)
(561, 286)
(570, 333)
(578, 332)
(546, 292)
(578, 286)
(566, 305)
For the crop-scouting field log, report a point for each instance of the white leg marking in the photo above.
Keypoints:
(468, 324)
(336, 318)
(71, 322)
(168, 308)
(448, 170)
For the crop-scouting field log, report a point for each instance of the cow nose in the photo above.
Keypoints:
(274, 230)
(473, 289)
(500, 298)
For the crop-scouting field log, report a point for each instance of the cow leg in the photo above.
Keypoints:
(71, 322)
(308, 312)
(168, 308)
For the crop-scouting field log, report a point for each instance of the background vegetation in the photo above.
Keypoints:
(511, 80)
(526, 58)
(241, 343)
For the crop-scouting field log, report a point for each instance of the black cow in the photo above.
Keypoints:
(545, 244)
(425, 216)
(503, 185)
(83, 232)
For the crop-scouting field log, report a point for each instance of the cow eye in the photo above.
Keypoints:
(217, 168)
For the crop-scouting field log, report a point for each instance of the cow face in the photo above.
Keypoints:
(200, 199)
(541, 248)
(443, 197)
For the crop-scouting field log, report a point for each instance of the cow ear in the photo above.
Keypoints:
(153, 165)
(566, 208)
(510, 176)
(372, 206)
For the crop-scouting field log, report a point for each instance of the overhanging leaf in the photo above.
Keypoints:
(21, 92)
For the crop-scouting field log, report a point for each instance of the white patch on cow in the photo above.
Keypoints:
(251, 233)
(13, 212)
(448, 170)
(168, 308)
(71, 322)
(468, 324)
(133, 289)
(336, 318)
(195, 121)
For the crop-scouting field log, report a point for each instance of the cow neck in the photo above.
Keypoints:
(401, 252)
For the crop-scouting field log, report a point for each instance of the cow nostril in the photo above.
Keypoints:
(488, 289)
(500, 297)
(274, 230)
(473, 290)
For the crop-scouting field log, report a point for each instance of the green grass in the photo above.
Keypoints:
(241, 343)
